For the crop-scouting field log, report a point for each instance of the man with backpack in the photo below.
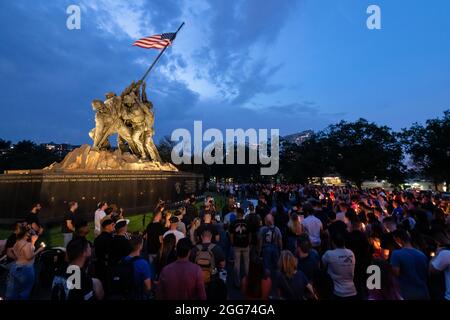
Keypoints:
(83, 287)
(270, 244)
(131, 279)
(211, 260)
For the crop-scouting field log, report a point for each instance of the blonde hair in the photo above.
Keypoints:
(196, 223)
(294, 225)
(287, 263)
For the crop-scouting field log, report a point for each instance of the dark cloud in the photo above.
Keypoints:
(50, 75)
(238, 27)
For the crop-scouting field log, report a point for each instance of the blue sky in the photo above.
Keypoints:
(292, 65)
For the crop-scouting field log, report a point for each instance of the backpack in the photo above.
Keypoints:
(52, 263)
(269, 235)
(121, 280)
(205, 259)
(59, 291)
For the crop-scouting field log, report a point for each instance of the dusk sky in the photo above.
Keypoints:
(292, 65)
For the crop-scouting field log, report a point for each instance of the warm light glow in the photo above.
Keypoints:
(376, 244)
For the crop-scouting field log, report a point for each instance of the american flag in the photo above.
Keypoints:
(158, 41)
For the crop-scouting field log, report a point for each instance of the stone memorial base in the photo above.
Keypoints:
(134, 191)
(89, 176)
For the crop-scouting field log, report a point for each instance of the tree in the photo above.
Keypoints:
(429, 147)
(4, 144)
(361, 151)
(165, 147)
(299, 163)
(27, 155)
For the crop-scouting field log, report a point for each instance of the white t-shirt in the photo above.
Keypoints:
(178, 235)
(442, 263)
(340, 264)
(99, 215)
(313, 227)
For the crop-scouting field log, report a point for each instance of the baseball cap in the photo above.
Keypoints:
(121, 223)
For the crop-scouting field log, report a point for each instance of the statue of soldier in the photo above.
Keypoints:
(149, 145)
(104, 120)
(137, 112)
(133, 116)
(108, 122)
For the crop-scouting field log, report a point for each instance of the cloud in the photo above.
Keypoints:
(221, 51)
(132, 19)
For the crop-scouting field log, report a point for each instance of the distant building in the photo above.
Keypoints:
(61, 149)
(300, 137)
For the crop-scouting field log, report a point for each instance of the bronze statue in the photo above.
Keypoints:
(130, 115)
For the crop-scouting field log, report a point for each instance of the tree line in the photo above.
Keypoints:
(356, 151)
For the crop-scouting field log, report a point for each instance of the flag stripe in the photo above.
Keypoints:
(146, 46)
(147, 41)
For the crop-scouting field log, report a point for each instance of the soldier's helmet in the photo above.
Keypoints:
(110, 95)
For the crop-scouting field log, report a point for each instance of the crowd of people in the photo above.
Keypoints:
(268, 241)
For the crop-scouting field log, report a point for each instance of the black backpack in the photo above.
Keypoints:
(59, 291)
(269, 236)
(121, 281)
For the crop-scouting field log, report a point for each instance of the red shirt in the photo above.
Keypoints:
(181, 280)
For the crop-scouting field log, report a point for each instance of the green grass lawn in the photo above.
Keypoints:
(53, 237)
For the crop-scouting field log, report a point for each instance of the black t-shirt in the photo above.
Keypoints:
(291, 288)
(191, 213)
(86, 292)
(337, 227)
(387, 242)
(69, 216)
(241, 233)
(154, 231)
(262, 210)
(225, 209)
(323, 217)
(254, 223)
(309, 265)
(281, 219)
(206, 226)
(32, 218)
(102, 245)
(359, 244)
(120, 248)
(160, 263)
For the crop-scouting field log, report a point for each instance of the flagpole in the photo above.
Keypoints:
(159, 55)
